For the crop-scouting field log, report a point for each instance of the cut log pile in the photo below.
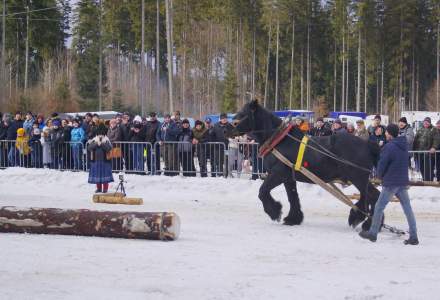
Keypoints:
(131, 225)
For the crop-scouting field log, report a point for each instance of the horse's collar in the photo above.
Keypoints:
(275, 139)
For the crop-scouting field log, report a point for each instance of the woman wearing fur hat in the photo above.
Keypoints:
(100, 168)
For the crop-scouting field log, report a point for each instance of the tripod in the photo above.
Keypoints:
(121, 187)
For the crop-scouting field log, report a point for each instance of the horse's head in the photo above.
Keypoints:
(253, 118)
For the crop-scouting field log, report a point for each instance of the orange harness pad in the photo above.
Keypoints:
(265, 149)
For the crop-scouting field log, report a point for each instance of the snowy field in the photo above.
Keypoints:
(228, 247)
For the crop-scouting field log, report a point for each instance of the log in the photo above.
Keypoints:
(116, 198)
(84, 222)
(376, 181)
(358, 197)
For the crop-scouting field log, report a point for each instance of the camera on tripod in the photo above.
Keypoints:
(121, 177)
(120, 187)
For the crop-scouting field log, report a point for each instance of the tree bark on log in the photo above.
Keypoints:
(84, 222)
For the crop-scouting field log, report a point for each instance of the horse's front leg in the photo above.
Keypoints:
(295, 216)
(271, 207)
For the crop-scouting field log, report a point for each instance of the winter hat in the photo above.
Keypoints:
(20, 131)
(403, 120)
(102, 129)
(223, 116)
(137, 119)
(393, 130)
(198, 122)
(338, 121)
(56, 122)
(427, 119)
(185, 121)
(377, 117)
(208, 120)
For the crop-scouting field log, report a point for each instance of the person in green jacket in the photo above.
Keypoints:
(426, 139)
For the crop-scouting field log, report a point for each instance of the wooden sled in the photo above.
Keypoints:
(116, 198)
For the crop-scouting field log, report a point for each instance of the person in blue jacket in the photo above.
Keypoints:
(77, 139)
(393, 170)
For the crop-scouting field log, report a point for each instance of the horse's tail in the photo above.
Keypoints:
(375, 151)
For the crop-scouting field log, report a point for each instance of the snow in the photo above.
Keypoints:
(228, 247)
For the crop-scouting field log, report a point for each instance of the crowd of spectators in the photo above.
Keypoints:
(138, 144)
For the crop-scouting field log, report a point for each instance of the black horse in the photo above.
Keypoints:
(255, 119)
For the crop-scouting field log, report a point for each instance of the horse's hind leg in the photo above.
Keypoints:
(271, 207)
(295, 216)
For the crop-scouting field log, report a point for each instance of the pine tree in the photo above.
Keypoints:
(86, 44)
(229, 103)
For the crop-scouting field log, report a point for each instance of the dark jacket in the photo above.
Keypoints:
(151, 130)
(125, 131)
(219, 132)
(57, 138)
(12, 130)
(3, 131)
(321, 131)
(137, 137)
(339, 130)
(378, 138)
(393, 164)
(168, 132)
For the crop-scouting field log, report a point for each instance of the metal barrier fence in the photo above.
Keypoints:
(238, 159)
(188, 159)
(424, 165)
(42, 154)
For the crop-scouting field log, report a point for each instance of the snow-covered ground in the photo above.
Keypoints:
(228, 247)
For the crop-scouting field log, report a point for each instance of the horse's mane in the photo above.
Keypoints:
(266, 122)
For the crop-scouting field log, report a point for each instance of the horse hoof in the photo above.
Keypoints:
(294, 220)
(355, 223)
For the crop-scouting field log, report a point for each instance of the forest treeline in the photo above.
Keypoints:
(357, 55)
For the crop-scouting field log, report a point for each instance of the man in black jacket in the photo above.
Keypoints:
(320, 129)
(151, 129)
(137, 137)
(219, 135)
